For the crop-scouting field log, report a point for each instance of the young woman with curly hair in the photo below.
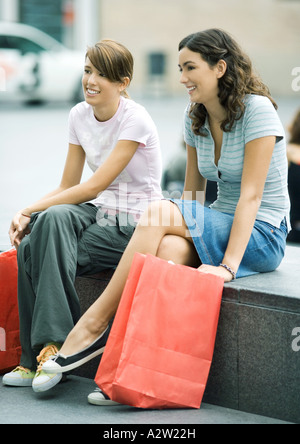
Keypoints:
(234, 137)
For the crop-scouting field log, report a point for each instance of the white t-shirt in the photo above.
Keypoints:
(139, 182)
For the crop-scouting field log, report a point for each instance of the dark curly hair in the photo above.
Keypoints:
(214, 45)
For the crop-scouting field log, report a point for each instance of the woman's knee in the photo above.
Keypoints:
(178, 250)
(58, 211)
(56, 215)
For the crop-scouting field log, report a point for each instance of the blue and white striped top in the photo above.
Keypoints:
(259, 120)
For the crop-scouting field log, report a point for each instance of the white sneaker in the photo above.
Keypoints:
(100, 398)
(19, 377)
(44, 381)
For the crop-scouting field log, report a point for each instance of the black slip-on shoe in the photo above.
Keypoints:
(61, 363)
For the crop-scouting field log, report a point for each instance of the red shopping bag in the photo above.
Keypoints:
(10, 348)
(161, 345)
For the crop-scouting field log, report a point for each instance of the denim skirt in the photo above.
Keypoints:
(210, 231)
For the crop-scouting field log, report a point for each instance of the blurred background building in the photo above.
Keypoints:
(268, 30)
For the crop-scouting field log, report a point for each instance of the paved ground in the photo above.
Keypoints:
(67, 404)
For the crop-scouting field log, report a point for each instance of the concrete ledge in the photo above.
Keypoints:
(254, 368)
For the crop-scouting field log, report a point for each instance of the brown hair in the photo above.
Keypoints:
(113, 60)
(239, 79)
(295, 130)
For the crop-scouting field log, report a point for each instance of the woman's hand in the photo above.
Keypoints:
(18, 229)
(217, 271)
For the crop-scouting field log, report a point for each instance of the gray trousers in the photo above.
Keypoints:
(65, 241)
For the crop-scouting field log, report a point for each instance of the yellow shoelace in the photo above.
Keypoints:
(22, 369)
(45, 354)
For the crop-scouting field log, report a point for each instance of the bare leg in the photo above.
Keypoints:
(179, 250)
(160, 225)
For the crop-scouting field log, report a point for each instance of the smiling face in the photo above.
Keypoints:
(108, 72)
(99, 90)
(200, 79)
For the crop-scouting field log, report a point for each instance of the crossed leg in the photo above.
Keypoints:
(162, 232)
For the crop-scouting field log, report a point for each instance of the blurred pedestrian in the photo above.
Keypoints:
(174, 176)
(82, 228)
(293, 153)
(235, 138)
(174, 173)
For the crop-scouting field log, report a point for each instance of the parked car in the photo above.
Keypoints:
(34, 67)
